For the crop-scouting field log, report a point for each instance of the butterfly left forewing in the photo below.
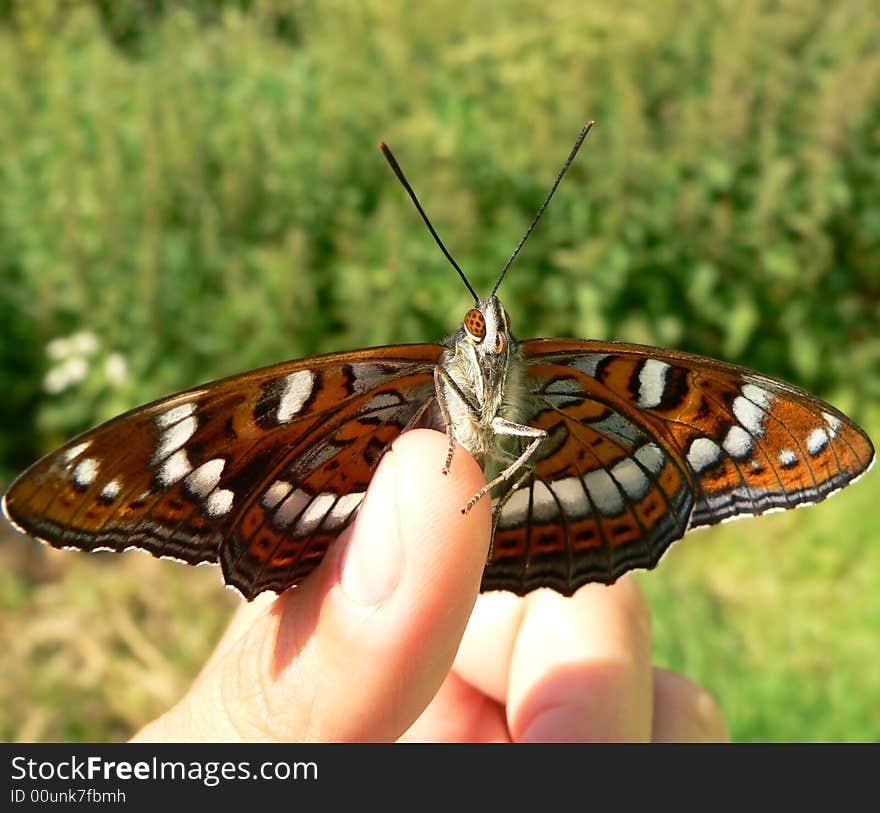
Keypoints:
(645, 443)
(259, 471)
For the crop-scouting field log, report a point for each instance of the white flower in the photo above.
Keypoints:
(115, 369)
(84, 343)
(77, 369)
(55, 380)
(60, 377)
(58, 348)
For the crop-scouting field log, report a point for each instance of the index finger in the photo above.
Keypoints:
(575, 668)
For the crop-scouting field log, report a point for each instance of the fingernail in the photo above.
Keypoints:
(373, 561)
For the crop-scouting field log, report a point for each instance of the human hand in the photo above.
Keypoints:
(365, 648)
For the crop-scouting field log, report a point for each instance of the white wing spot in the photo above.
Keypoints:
(340, 512)
(174, 437)
(738, 443)
(750, 414)
(76, 451)
(588, 364)
(383, 399)
(703, 453)
(617, 428)
(817, 441)
(515, 510)
(570, 492)
(313, 515)
(85, 472)
(651, 457)
(603, 492)
(111, 490)
(758, 395)
(562, 387)
(631, 478)
(219, 502)
(297, 389)
(366, 375)
(787, 458)
(290, 509)
(174, 468)
(544, 506)
(204, 479)
(175, 414)
(833, 422)
(652, 383)
(275, 493)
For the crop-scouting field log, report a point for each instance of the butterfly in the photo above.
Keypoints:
(598, 455)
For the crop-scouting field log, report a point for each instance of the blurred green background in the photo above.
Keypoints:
(191, 189)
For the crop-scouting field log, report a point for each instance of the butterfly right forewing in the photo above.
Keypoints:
(258, 472)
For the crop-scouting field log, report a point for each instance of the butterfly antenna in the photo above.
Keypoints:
(402, 178)
(537, 217)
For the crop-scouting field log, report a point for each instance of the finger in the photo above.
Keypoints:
(358, 650)
(581, 667)
(684, 711)
(483, 659)
(459, 713)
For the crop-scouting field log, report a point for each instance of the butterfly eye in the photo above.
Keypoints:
(475, 324)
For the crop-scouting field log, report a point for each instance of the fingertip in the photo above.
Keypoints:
(684, 711)
(411, 526)
(441, 537)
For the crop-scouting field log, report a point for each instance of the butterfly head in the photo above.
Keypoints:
(478, 363)
(487, 327)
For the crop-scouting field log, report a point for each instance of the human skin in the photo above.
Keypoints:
(389, 640)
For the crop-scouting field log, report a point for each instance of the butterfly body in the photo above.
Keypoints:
(481, 397)
(479, 376)
(598, 455)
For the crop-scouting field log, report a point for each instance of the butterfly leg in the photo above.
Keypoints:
(418, 416)
(441, 378)
(501, 502)
(502, 426)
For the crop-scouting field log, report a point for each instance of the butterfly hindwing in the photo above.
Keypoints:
(604, 497)
(645, 443)
(259, 471)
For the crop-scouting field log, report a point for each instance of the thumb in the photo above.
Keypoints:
(359, 649)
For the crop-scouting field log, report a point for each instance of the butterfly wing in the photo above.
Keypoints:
(646, 443)
(259, 472)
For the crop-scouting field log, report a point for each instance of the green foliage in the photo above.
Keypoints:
(195, 186)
